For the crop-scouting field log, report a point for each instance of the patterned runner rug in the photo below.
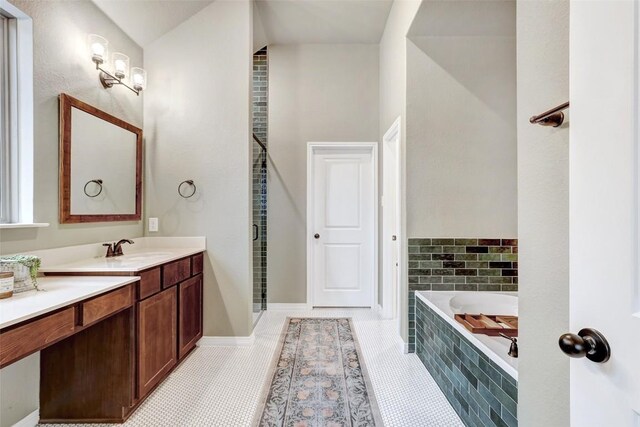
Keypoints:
(319, 378)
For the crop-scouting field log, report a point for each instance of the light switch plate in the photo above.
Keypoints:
(153, 224)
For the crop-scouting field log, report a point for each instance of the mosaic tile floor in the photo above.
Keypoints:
(221, 386)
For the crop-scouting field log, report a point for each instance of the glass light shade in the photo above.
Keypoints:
(98, 48)
(120, 63)
(138, 78)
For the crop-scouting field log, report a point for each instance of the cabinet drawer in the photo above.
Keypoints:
(196, 264)
(175, 272)
(26, 339)
(105, 305)
(149, 283)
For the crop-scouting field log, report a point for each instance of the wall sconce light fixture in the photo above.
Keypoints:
(134, 79)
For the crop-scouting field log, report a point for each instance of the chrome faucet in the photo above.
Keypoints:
(117, 247)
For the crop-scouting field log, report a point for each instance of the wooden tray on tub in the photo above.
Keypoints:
(488, 324)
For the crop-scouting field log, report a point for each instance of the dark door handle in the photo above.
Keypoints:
(316, 236)
(588, 343)
(256, 233)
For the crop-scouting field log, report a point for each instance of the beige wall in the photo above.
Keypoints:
(62, 65)
(393, 101)
(461, 122)
(259, 36)
(543, 214)
(198, 110)
(317, 93)
(393, 70)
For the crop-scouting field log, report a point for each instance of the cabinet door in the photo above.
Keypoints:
(190, 324)
(157, 338)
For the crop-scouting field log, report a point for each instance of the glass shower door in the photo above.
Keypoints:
(259, 204)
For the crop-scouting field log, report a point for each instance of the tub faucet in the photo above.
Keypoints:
(117, 247)
(513, 348)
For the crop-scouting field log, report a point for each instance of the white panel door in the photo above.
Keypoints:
(342, 227)
(605, 291)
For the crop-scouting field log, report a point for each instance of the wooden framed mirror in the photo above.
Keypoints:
(100, 165)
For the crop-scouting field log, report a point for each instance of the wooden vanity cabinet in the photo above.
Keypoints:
(124, 344)
(22, 340)
(157, 338)
(175, 272)
(190, 314)
(87, 377)
(169, 321)
(150, 283)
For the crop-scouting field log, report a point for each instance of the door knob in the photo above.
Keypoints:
(317, 236)
(588, 343)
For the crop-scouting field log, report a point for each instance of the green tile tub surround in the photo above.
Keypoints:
(454, 264)
(481, 392)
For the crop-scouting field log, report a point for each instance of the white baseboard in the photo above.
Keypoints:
(226, 341)
(378, 308)
(287, 307)
(30, 420)
(403, 346)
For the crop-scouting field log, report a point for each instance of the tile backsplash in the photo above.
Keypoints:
(457, 264)
(463, 265)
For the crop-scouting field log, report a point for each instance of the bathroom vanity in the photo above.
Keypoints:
(109, 330)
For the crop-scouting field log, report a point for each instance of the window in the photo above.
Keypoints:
(6, 189)
(16, 116)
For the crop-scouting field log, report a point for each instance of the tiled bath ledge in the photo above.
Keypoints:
(481, 392)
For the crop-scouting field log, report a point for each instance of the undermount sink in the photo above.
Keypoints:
(144, 255)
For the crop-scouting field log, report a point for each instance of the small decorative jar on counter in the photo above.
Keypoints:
(6, 284)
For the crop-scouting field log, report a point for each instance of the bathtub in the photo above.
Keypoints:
(473, 371)
(446, 304)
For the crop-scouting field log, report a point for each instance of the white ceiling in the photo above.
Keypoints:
(323, 21)
(284, 21)
(146, 20)
(442, 18)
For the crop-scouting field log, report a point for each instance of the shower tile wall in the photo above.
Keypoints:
(447, 264)
(260, 110)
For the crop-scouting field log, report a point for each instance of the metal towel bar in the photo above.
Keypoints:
(553, 117)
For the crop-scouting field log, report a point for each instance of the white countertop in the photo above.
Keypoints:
(144, 253)
(57, 292)
(131, 262)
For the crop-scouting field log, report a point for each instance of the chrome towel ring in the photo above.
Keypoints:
(98, 182)
(188, 182)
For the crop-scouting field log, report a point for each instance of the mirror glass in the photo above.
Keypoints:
(103, 172)
(100, 165)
